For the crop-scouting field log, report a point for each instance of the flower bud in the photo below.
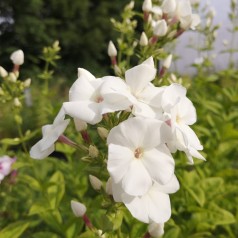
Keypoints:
(168, 6)
(147, 6)
(93, 151)
(78, 208)
(160, 28)
(3, 72)
(17, 102)
(80, 125)
(17, 57)
(168, 61)
(95, 182)
(130, 5)
(27, 83)
(102, 132)
(109, 186)
(117, 70)
(143, 39)
(112, 51)
(12, 77)
(156, 229)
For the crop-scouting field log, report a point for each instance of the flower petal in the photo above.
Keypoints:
(187, 111)
(37, 153)
(159, 164)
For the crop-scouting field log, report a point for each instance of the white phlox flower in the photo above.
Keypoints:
(88, 101)
(153, 206)
(51, 133)
(138, 89)
(138, 155)
(180, 114)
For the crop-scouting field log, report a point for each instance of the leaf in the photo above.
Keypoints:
(197, 193)
(14, 229)
(32, 182)
(88, 234)
(39, 207)
(44, 235)
(56, 189)
(172, 233)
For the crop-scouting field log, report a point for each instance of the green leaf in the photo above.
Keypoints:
(172, 233)
(44, 235)
(32, 182)
(56, 189)
(14, 229)
(88, 234)
(39, 207)
(197, 193)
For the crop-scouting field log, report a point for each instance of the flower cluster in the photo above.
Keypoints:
(140, 163)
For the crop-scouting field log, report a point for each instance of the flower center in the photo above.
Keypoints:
(178, 119)
(138, 153)
(99, 99)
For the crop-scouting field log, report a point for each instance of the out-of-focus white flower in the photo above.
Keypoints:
(143, 39)
(17, 57)
(156, 229)
(112, 51)
(88, 101)
(225, 42)
(147, 6)
(3, 72)
(78, 208)
(160, 28)
(51, 133)
(5, 166)
(168, 61)
(137, 157)
(181, 113)
(95, 182)
(153, 206)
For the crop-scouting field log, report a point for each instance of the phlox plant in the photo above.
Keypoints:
(121, 157)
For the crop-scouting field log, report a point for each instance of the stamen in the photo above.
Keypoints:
(138, 153)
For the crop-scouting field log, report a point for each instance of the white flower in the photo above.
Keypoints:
(156, 229)
(153, 206)
(17, 57)
(88, 101)
(78, 208)
(136, 88)
(181, 114)
(112, 51)
(5, 166)
(137, 154)
(51, 133)
(143, 39)
(160, 28)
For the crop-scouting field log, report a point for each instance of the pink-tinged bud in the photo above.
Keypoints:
(143, 39)
(112, 51)
(3, 72)
(147, 6)
(168, 61)
(17, 57)
(95, 182)
(5, 166)
(79, 209)
(169, 6)
(156, 229)
(160, 28)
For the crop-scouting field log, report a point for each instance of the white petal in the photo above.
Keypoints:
(136, 180)
(143, 110)
(87, 111)
(139, 76)
(117, 191)
(149, 62)
(119, 159)
(86, 73)
(37, 153)
(159, 164)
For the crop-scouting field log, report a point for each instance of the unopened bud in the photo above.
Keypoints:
(79, 209)
(112, 51)
(27, 83)
(17, 57)
(156, 229)
(12, 77)
(147, 6)
(56, 44)
(93, 151)
(130, 6)
(169, 6)
(95, 182)
(17, 102)
(80, 125)
(109, 186)
(160, 28)
(143, 39)
(3, 72)
(102, 132)
(168, 61)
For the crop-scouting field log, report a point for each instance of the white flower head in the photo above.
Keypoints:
(78, 208)
(137, 154)
(5, 166)
(17, 57)
(51, 133)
